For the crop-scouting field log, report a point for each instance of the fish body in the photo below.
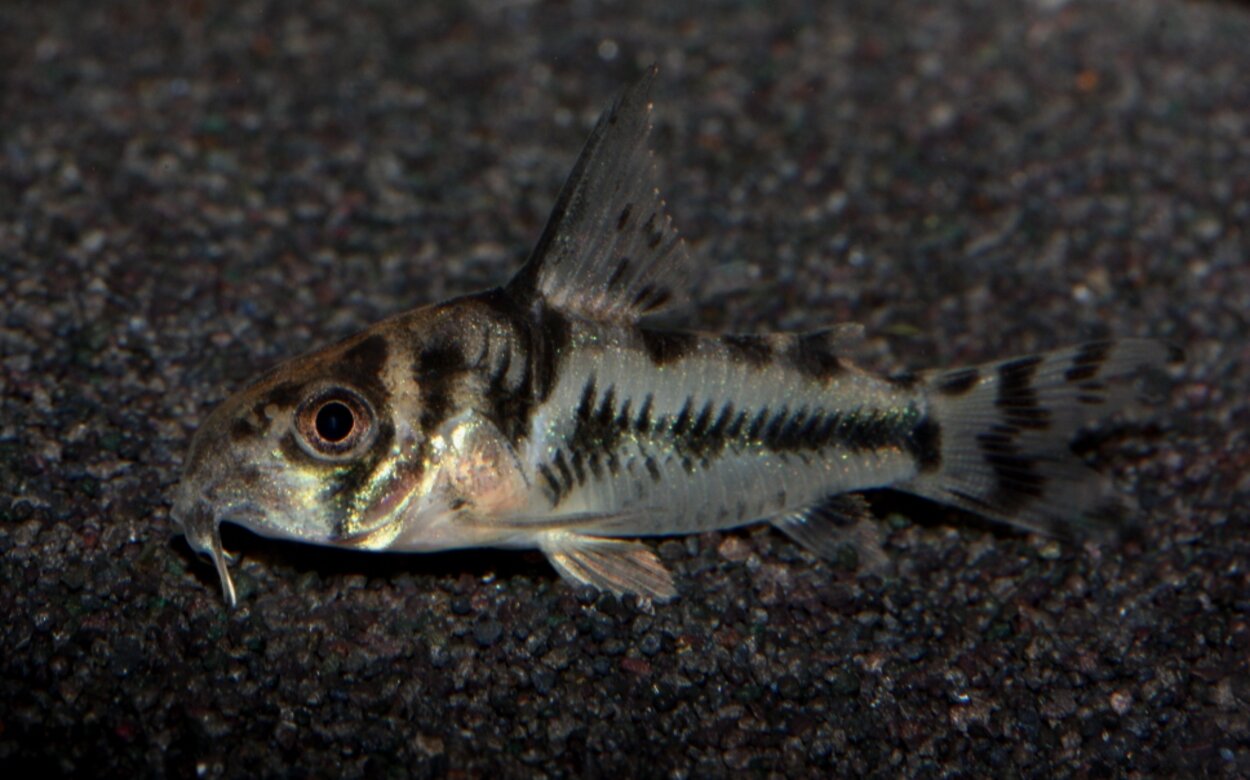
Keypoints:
(548, 414)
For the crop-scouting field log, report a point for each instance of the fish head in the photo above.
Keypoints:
(311, 452)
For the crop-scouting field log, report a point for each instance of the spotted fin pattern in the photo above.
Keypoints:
(1007, 429)
(609, 251)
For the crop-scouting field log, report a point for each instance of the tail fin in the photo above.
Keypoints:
(1007, 431)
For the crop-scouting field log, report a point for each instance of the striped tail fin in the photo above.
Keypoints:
(1007, 430)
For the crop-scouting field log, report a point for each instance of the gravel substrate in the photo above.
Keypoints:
(190, 192)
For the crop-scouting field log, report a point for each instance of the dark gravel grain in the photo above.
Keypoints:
(191, 191)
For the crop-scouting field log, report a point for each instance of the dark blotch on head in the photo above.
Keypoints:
(664, 347)
(363, 364)
(284, 394)
(242, 428)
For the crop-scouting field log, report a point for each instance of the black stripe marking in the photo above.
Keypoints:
(665, 347)
(772, 433)
(566, 474)
(754, 351)
(1019, 480)
(1087, 362)
(706, 438)
(735, 427)
(607, 409)
(552, 483)
(550, 345)
(650, 297)
(957, 383)
(702, 421)
(501, 360)
(925, 444)
(1017, 398)
(652, 468)
(643, 423)
(1092, 393)
(588, 400)
(622, 220)
(813, 356)
(598, 428)
(683, 419)
(533, 335)
(439, 369)
(904, 380)
(622, 417)
(719, 428)
(510, 406)
(757, 423)
(575, 458)
(656, 233)
(618, 273)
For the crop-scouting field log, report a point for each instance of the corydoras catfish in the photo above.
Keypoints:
(549, 414)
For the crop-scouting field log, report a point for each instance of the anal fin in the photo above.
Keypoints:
(835, 526)
(609, 564)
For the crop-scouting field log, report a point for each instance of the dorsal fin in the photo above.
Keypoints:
(609, 251)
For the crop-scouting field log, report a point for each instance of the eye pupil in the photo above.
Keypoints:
(335, 421)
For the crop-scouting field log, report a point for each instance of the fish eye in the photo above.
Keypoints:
(334, 422)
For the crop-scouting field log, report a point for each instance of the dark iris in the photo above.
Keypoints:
(334, 421)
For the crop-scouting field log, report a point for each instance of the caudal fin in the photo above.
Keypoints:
(1007, 431)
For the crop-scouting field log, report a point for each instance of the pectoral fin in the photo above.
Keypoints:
(609, 564)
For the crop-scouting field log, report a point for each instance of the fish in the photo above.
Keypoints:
(555, 413)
